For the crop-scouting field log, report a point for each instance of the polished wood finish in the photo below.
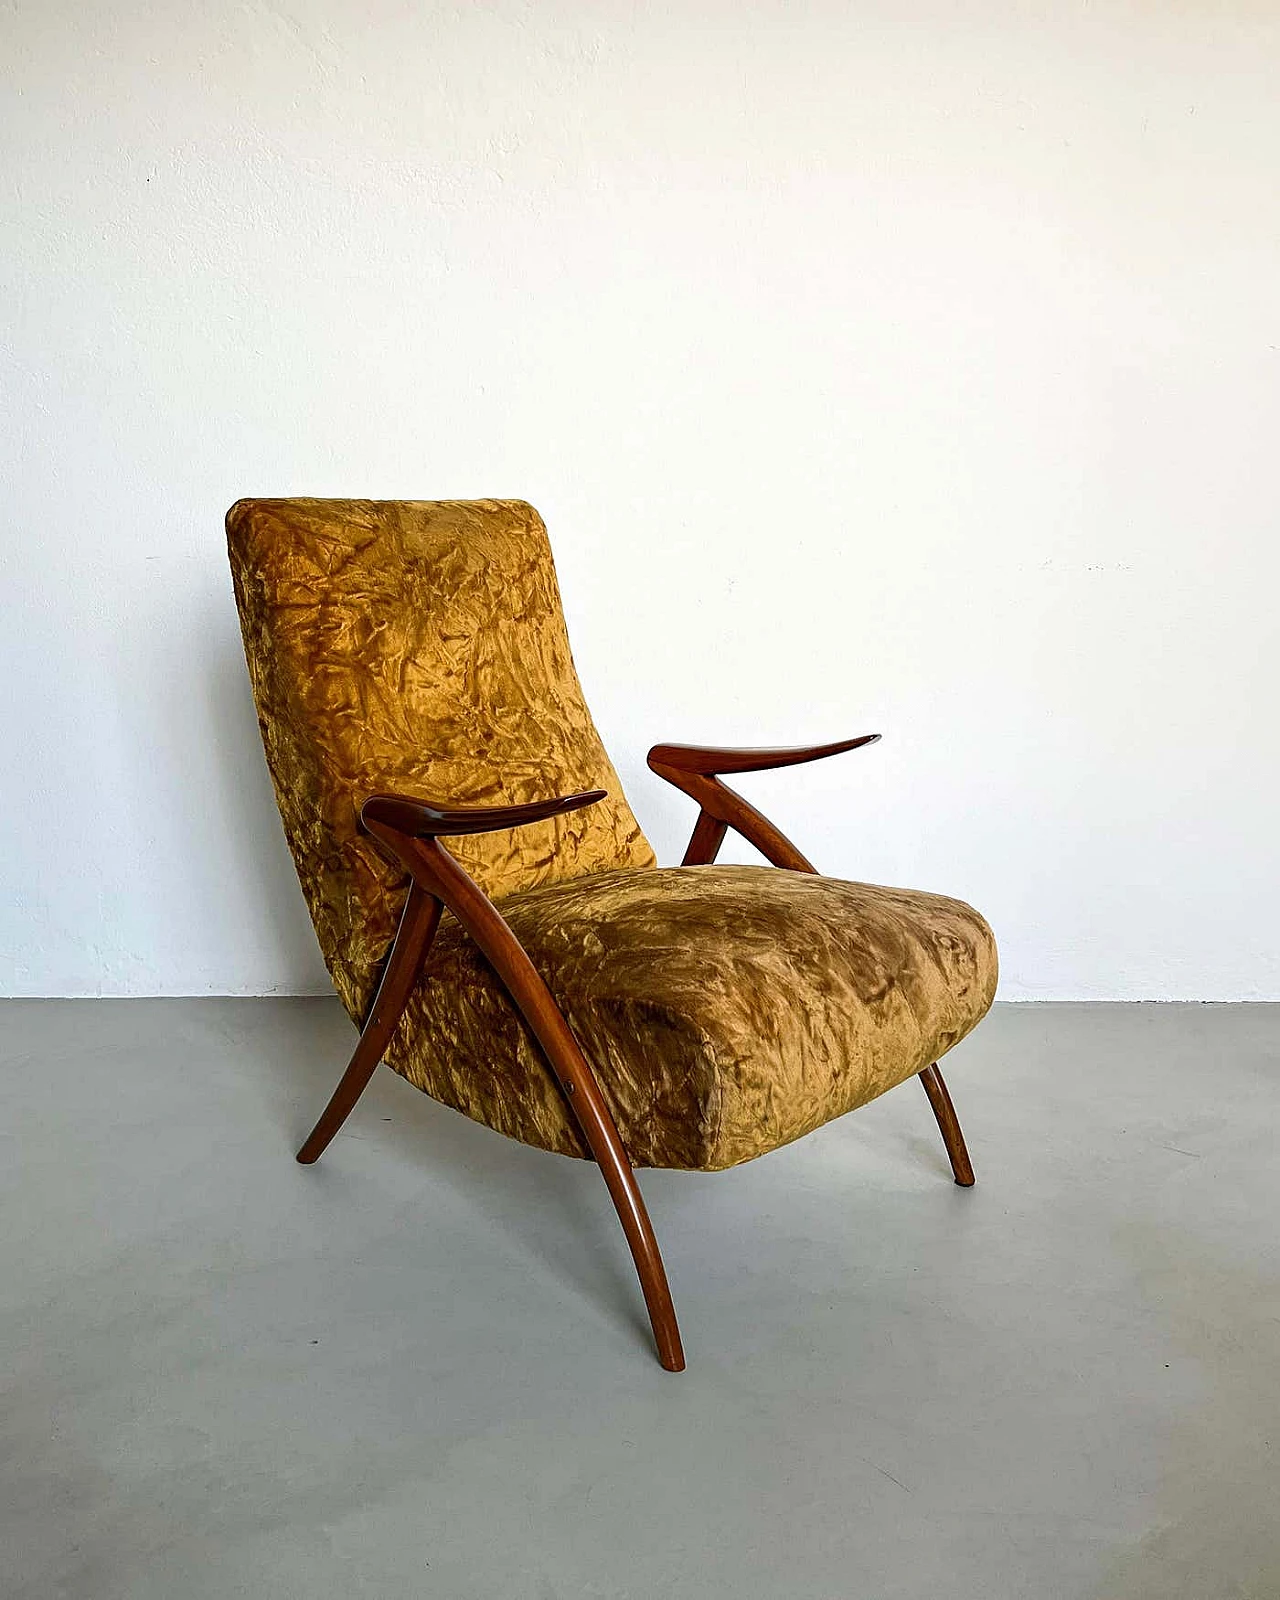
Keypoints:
(727, 807)
(693, 769)
(418, 923)
(704, 846)
(949, 1125)
(438, 875)
(710, 759)
(422, 819)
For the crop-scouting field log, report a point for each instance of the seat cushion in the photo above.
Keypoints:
(726, 1010)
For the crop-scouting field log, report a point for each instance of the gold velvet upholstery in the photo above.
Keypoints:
(726, 1010)
(416, 647)
(419, 647)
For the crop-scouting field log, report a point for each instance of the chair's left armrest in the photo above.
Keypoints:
(696, 769)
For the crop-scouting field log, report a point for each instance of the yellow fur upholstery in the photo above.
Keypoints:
(419, 647)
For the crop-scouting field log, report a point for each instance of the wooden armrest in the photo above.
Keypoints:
(708, 761)
(419, 819)
(695, 769)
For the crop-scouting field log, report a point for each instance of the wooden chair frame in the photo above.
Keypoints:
(410, 831)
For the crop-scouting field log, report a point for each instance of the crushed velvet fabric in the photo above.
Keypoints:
(419, 647)
(726, 1010)
(416, 647)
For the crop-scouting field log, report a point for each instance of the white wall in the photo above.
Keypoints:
(903, 365)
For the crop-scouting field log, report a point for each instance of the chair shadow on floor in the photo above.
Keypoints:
(543, 1208)
(547, 1208)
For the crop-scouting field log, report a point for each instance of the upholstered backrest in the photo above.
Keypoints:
(418, 647)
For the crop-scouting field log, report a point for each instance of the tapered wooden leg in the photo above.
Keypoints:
(546, 1021)
(553, 1033)
(418, 924)
(949, 1125)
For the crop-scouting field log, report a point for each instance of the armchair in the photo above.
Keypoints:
(576, 996)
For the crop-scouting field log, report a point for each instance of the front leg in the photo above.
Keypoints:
(409, 830)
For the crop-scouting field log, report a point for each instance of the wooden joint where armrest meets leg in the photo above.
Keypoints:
(725, 806)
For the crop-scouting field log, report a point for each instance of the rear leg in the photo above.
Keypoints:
(418, 924)
(948, 1124)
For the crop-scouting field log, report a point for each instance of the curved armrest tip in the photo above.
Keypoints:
(709, 761)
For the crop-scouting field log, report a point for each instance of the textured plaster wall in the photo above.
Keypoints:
(901, 366)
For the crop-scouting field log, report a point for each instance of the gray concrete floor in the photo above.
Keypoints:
(421, 1367)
